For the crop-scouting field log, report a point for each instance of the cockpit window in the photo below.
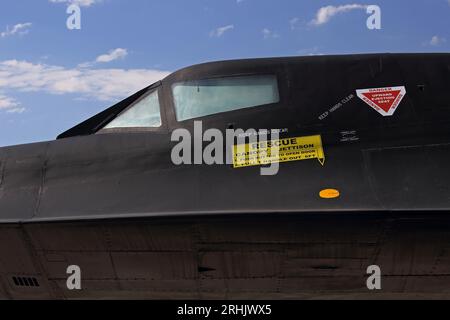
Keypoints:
(195, 99)
(145, 113)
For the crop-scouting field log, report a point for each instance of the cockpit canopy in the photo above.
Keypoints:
(279, 93)
(187, 95)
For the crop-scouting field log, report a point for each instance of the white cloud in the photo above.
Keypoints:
(314, 51)
(20, 28)
(436, 40)
(221, 31)
(293, 23)
(112, 55)
(269, 34)
(81, 3)
(99, 84)
(10, 105)
(325, 14)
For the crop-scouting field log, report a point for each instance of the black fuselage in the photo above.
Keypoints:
(112, 201)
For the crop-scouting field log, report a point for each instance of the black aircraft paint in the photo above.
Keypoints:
(112, 202)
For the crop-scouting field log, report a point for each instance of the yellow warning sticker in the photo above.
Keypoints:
(275, 151)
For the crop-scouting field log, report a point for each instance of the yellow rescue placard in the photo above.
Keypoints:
(275, 151)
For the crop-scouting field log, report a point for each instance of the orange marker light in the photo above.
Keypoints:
(329, 194)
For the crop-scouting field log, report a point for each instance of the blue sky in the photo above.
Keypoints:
(52, 78)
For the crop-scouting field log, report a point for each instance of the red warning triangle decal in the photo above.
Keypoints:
(383, 100)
